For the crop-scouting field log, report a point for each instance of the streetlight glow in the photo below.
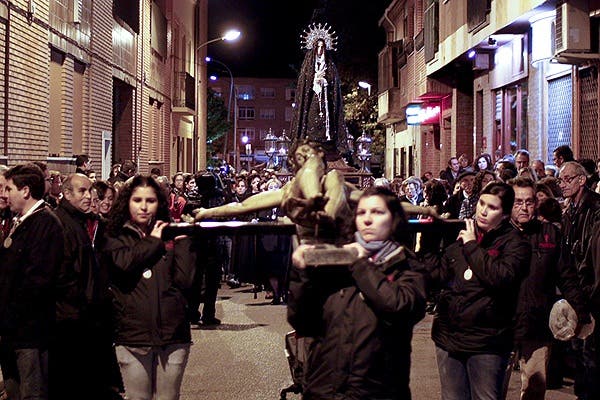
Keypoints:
(231, 35)
(365, 85)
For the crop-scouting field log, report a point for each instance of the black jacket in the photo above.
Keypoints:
(147, 279)
(538, 290)
(476, 315)
(77, 284)
(589, 270)
(361, 319)
(28, 271)
(578, 225)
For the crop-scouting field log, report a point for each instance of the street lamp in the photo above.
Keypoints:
(270, 148)
(363, 151)
(231, 95)
(229, 36)
(200, 126)
(365, 85)
(283, 147)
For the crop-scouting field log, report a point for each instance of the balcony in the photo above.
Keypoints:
(391, 105)
(184, 95)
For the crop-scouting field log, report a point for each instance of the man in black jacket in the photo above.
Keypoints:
(78, 299)
(451, 173)
(537, 294)
(578, 222)
(30, 258)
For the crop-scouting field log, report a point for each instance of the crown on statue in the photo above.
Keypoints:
(315, 32)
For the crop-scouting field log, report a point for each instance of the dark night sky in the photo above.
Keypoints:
(271, 29)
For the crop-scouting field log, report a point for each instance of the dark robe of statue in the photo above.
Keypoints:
(319, 112)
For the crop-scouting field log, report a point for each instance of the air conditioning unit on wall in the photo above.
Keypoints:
(572, 28)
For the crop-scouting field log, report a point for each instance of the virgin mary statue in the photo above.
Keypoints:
(319, 111)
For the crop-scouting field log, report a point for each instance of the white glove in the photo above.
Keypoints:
(563, 320)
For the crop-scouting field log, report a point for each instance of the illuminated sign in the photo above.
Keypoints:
(423, 113)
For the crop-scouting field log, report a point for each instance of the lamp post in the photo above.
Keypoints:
(283, 147)
(363, 151)
(231, 95)
(270, 148)
(199, 137)
(365, 85)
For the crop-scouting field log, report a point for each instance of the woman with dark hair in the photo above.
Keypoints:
(106, 196)
(360, 316)
(483, 162)
(482, 178)
(435, 195)
(147, 280)
(479, 277)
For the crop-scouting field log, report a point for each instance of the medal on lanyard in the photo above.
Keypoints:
(468, 273)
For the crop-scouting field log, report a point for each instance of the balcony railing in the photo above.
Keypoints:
(184, 100)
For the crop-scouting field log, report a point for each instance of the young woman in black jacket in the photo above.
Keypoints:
(479, 276)
(147, 280)
(360, 317)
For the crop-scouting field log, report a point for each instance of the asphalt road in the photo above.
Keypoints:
(244, 357)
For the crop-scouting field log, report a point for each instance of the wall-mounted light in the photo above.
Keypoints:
(471, 54)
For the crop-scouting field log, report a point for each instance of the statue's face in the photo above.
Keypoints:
(302, 153)
(320, 47)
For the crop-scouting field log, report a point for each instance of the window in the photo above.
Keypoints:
(78, 75)
(267, 113)
(478, 13)
(267, 92)
(290, 94)
(124, 54)
(246, 113)
(431, 29)
(57, 59)
(156, 136)
(245, 92)
(218, 90)
(289, 112)
(247, 132)
(263, 134)
(158, 30)
(129, 12)
(511, 117)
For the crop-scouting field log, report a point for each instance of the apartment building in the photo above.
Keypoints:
(472, 76)
(111, 79)
(260, 106)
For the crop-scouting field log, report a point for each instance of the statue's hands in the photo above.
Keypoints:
(300, 209)
(298, 255)
(187, 218)
(432, 213)
(198, 214)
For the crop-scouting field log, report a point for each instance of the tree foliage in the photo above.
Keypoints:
(361, 114)
(217, 125)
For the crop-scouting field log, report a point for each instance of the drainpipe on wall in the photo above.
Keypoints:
(6, 78)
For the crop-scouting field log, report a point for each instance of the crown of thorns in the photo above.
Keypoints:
(316, 32)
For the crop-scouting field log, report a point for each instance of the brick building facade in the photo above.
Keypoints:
(98, 78)
(501, 73)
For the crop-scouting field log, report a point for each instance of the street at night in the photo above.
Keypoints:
(243, 358)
